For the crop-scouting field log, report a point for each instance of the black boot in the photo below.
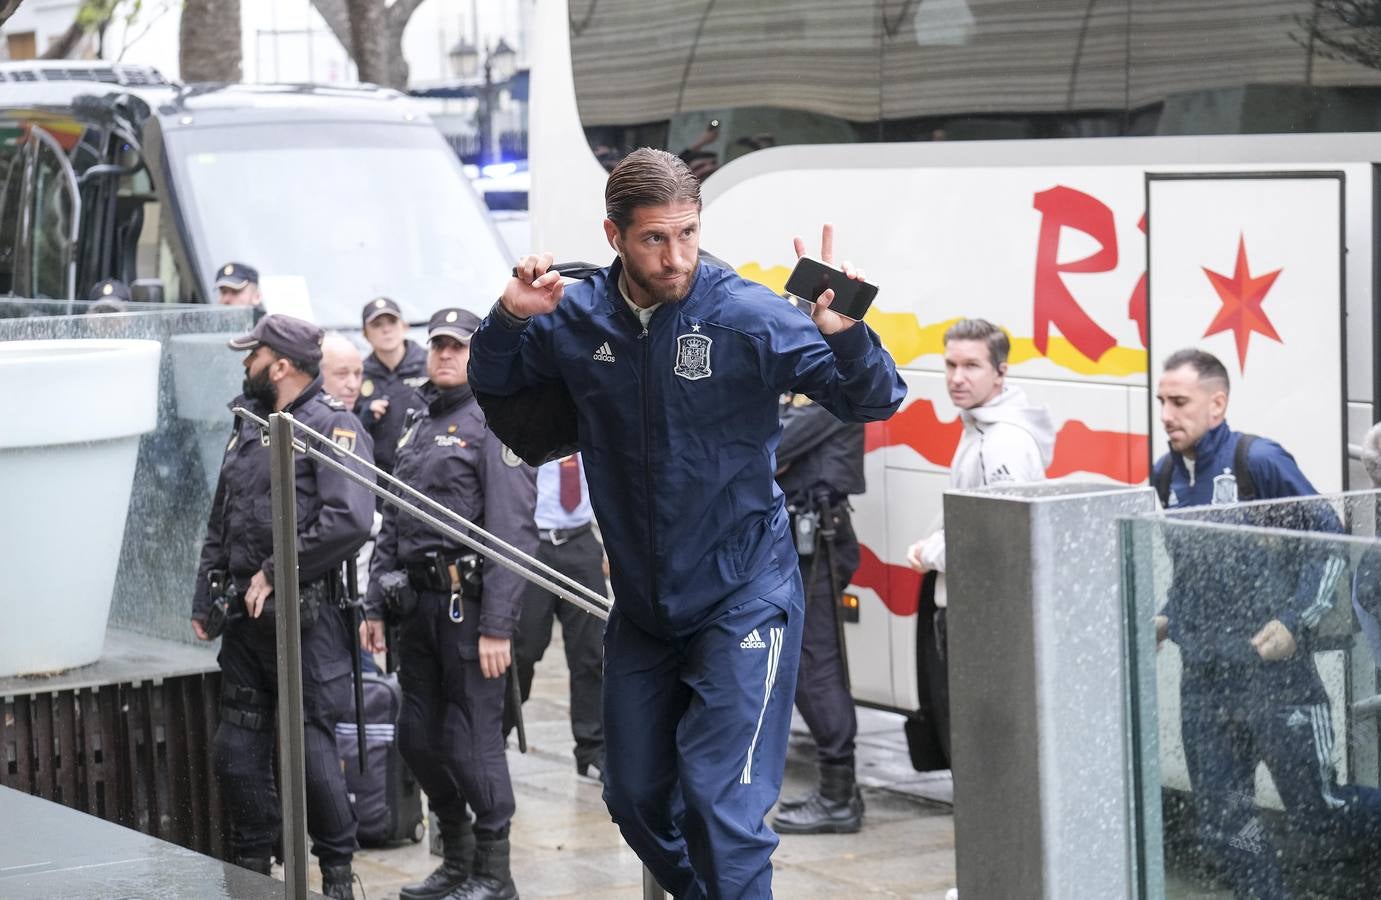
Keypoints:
(836, 809)
(261, 864)
(458, 855)
(338, 882)
(490, 879)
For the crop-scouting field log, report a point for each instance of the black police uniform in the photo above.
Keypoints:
(398, 385)
(821, 459)
(334, 518)
(451, 727)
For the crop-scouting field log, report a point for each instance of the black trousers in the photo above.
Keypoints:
(581, 558)
(243, 755)
(450, 731)
(822, 693)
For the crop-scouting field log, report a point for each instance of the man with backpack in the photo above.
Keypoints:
(1243, 613)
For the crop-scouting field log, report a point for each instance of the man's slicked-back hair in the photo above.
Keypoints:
(999, 345)
(647, 177)
(1208, 366)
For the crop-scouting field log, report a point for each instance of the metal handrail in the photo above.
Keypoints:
(287, 619)
(283, 444)
(574, 592)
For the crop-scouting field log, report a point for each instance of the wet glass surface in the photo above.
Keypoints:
(1255, 722)
(48, 851)
(177, 463)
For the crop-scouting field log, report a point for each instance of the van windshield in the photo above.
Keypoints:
(340, 213)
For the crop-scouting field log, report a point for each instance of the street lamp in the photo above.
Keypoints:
(503, 58)
(500, 61)
(464, 58)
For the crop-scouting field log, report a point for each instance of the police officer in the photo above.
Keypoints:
(458, 618)
(819, 463)
(334, 517)
(392, 374)
(111, 290)
(238, 285)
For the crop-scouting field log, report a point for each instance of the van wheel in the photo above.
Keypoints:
(418, 832)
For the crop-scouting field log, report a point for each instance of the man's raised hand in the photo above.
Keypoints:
(827, 321)
(535, 290)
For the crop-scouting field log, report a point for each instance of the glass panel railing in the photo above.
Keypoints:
(1254, 722)
(159, 535)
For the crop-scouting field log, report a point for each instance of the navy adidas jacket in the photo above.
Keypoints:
(1227, 586)
(679, 428)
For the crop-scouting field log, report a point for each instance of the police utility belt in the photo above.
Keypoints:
(461, 576)
(228, 602)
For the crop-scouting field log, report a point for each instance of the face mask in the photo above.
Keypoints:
(260, 388)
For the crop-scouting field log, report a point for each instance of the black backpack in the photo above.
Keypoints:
(1246, 488)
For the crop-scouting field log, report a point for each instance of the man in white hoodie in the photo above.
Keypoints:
(1006, 441)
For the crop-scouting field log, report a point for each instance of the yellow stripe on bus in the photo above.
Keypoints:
(908, 340)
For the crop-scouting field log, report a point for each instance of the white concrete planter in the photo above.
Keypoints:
(71, 413)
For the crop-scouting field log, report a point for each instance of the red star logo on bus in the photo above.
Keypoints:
(1242, 296)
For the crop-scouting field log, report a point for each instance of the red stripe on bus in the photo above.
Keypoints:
(898, 586)
(1118, 455)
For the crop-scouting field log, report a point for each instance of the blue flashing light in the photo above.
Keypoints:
(499, 170)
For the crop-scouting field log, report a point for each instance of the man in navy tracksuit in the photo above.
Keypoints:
(1242, 613)
(675, 366)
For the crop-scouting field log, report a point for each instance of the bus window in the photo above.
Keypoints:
(11, 188)
(51, 222)
(713, 82)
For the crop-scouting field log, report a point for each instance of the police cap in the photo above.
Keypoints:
(235, 276)
(455, 322)
(110, 289)
(284, 335)
(380, 306)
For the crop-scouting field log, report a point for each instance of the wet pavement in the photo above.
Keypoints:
(565, 846)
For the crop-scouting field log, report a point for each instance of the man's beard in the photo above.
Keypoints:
(658, 290)
(259, 387)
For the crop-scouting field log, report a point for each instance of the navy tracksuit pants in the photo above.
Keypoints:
(1226, 734)
(696, 733)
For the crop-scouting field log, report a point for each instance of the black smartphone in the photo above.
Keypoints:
(811, 278)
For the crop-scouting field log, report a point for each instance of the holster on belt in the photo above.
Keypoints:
(312, 598)
(462, 575)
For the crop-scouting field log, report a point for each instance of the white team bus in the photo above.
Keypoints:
(986, 158)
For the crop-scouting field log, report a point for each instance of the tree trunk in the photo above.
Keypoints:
(209, 36)
(63, 45)
(372, 35)
(7, 8)
(369, 40)
(398, 15)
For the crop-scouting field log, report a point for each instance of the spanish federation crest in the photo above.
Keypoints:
(1224, 488)
(693, 356)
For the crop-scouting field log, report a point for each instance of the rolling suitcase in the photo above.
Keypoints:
(387, 799)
